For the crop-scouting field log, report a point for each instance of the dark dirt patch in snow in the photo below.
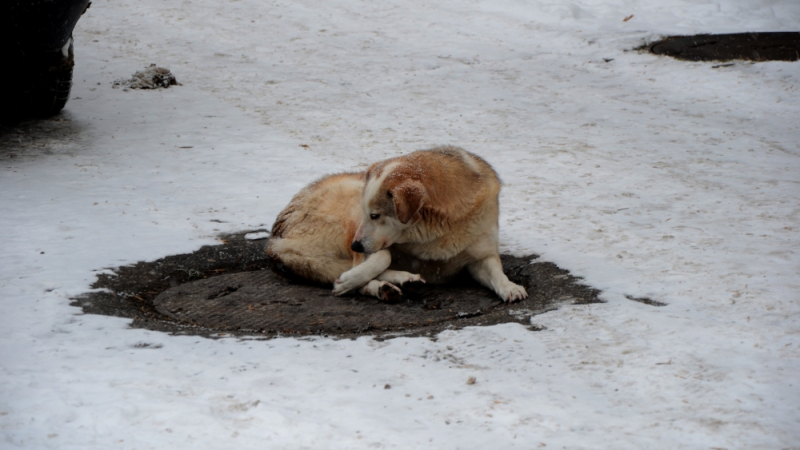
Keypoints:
(228, 289)
(783, 46)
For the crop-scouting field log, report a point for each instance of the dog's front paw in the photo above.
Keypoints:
(399, 277)
(389, 292)
(384, 290)
(511, 292)
(412, 278)
(344, 284)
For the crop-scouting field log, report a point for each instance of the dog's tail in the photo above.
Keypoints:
(282, 223)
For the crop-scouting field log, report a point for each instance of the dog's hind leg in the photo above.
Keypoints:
(489, 272)
(297, 257)
(375, 264)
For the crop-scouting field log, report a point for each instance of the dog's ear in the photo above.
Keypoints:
(408, 199)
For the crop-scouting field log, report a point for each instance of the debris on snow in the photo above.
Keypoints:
(152, 77)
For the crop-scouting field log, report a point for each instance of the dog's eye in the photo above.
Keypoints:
(389, 193)
(374, 216)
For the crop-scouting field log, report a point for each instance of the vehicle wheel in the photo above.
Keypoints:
(51, 88)
(39, 88)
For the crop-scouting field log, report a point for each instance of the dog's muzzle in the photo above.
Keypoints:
(357, 247)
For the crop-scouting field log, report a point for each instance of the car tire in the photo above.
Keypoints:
(51, 90)
(40, 87)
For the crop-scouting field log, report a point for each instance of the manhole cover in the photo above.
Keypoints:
(779, 46)
(228, 289)
(264, 302)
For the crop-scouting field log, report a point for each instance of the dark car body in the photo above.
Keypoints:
(37, 38)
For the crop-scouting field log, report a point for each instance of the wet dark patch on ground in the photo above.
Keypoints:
(778, 46)
(57, 135)
(228, 289)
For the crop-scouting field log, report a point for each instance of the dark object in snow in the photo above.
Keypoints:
(778, 46)
(152, 77)
(646, 300)
(229, 289)
(38, 56)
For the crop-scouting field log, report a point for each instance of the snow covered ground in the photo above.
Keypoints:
(645, 175)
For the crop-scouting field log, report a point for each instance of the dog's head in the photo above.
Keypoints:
(391, 202)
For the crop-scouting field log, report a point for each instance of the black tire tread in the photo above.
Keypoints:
(39, 89)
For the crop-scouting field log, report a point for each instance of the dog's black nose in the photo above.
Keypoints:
(357, 247)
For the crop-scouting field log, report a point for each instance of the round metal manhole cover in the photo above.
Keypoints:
(228, 289)
(263, 302)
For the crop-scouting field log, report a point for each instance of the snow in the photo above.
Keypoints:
(645, 175)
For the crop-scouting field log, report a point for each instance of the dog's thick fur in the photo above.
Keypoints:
(419, 217)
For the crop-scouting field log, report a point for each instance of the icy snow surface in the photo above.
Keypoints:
(645, 175)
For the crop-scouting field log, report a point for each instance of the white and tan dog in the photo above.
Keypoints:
(415, 218)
